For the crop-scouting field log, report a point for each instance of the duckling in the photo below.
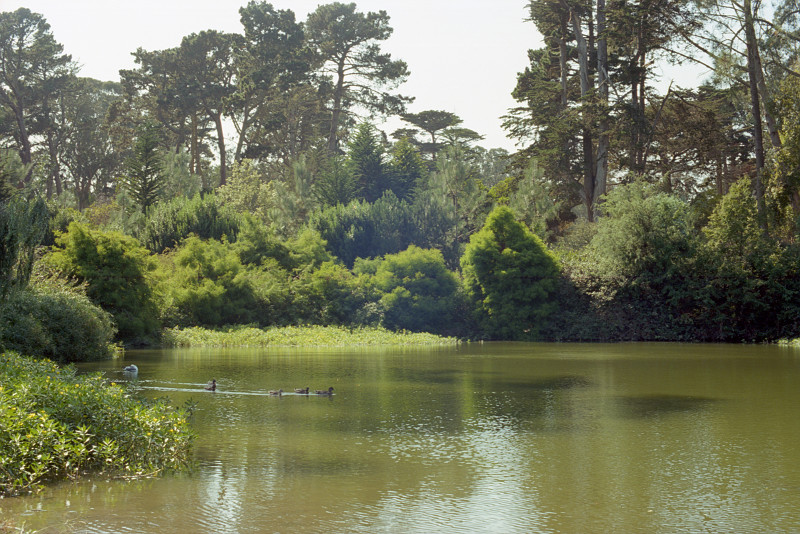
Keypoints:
(276, 393)
(212, 386)
(328, 391)
(301, 391)
(131, 369)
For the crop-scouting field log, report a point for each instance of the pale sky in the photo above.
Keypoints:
(464, 55)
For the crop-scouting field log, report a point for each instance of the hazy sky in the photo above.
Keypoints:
(463, 55)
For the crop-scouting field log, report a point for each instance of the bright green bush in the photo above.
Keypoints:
(55, 324)
(509, 277)
(419, 292)
(55, 425)
(333, 295)
(207, 285)
(117, 270)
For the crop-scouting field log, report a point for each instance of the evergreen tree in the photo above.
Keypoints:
(510, 277)
(144, 176)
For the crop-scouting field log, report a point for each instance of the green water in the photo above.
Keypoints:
(495, 438)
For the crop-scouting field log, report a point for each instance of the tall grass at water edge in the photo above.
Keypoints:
(297, 336)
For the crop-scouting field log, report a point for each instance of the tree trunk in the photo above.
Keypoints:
(588, 142)
(752, 52)
(602, 85)
(338, 94)
(223, 172)
(25, 152)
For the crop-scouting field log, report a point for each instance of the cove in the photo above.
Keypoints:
(493, 437)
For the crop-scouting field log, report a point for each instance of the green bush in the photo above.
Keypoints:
(55, 324)
(509, 277)
(117, 270)
(55, 425)
(419, 292)
(207, 285)
(168, 223)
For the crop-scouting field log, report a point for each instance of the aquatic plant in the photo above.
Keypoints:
(55, 424)
(308, 336)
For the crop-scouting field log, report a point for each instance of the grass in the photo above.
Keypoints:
(297, 336)
(55, 425)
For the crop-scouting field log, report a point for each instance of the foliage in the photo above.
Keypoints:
(407, 168)
(366, 158)
(297, 336)
(336, 184)
(22, 227)
(49, 322)
(364, 230)
(206, 285)
(117, 270)
(55, 424)
(245, 191)
(419, 293)
(645, 237)
(509, 277)
(170, 222)
(144, 176)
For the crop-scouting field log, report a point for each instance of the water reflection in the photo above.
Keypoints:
(497, 438)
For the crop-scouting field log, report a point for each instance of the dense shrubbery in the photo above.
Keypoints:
(168, 223)
(419, 293)
(56, 324)
(117, 270)
(54, 424)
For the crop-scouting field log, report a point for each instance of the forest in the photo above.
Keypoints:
(240, 179)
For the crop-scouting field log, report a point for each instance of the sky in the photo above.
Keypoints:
(463, 55)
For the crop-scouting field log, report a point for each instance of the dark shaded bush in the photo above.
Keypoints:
(59, 325)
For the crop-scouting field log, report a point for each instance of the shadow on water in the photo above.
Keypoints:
(554, 383)
(657, 405)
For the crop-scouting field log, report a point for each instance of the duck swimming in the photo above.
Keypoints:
(276, 393)
(212, 386)
(131, 369)
(301, 391)
(328, 391)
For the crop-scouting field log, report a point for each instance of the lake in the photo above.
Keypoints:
(494, 437)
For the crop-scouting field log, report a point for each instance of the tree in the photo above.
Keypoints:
(22, 227)
(510, 277)
(86, 151)
(144, 177)
(407, 169)
(366, 158)
(347, 43)
(431, 122)
(33, 68)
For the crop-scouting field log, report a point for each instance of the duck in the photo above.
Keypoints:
(301, 391)
(131, 369)
(328, 391)
(276, 393)
(212, 386)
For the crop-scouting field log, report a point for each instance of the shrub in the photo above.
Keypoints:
(117, 270)
(168, 223)
(207, 284)
(510, 277)
(419, 292)
(56, 324)
(54, 424)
